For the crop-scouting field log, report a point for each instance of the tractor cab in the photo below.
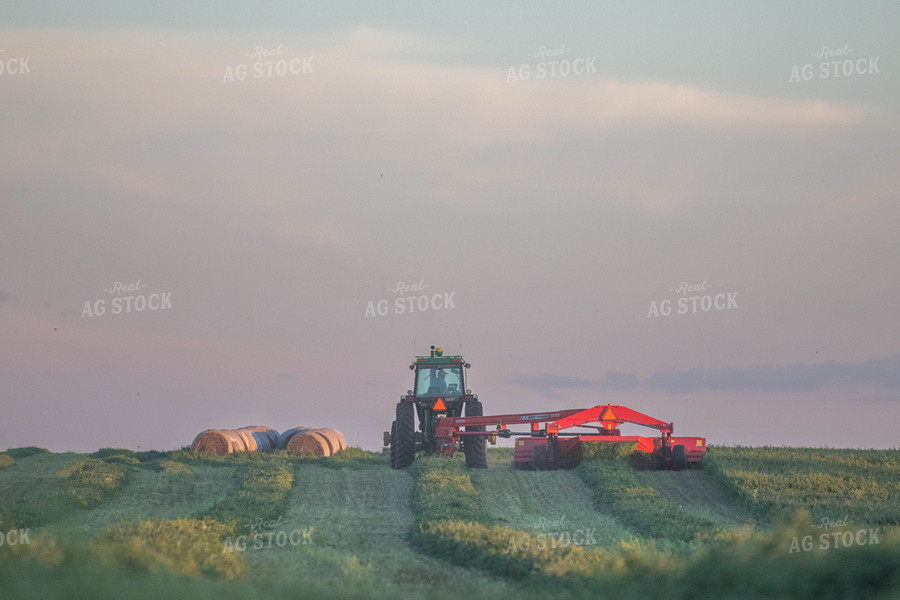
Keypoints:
(438, 375)
(439, 388)
(439, 380)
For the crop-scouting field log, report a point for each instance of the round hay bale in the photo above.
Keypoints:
(212, 441)
(266, 438)
(255, 438)
(262, 441)
(309, 442)
(235, 443)
(272, 437)
(286, 435)
(332, 437)
(197, 437)
(341, 439)
(247, 438)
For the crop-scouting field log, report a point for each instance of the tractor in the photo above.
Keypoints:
(438, 392)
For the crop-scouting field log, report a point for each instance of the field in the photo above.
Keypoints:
(755, 523)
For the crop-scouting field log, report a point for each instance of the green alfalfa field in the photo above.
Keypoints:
(765, 523)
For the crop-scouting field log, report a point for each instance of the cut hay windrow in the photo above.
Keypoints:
(255, 438)
(323, 442)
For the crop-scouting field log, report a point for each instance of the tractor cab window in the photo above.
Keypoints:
(439, 381)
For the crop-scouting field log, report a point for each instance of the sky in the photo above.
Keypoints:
(218, 215)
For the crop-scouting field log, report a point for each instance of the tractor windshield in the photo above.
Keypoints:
(439, 380)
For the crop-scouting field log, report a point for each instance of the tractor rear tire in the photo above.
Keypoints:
(539, 458)
(679, 458)
(474, 447)
(394, 445)
(405, 434)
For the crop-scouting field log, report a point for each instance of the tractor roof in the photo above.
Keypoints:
(439, 360)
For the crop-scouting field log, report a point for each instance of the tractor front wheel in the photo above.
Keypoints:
(404, 432)
(474, 446)
(394, 445)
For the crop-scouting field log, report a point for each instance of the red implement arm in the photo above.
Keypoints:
(450, 426)
(610, 416)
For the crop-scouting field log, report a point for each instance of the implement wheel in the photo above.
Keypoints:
(474, 447)
(403, 437)
(679, 458)
(539, 458)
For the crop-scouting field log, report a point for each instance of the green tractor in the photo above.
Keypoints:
(439, 390)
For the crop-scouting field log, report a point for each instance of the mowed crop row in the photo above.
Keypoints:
(681, 554)
(273, 525)
(831, 484)
(451, 525)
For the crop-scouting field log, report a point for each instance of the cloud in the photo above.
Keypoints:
(879, 373)
(175, 82)
(160, 124)
(548, 385)
(620, 382)
(7, 298)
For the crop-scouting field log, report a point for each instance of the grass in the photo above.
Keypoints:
(452, 525)
(261, 490)
(78, 484)
(26, 451)
(172, 466)
(436, 530)
(863, 485)
(544, 502)
(90, 480)
(184, 546)
(444, 491)
(618, 491)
